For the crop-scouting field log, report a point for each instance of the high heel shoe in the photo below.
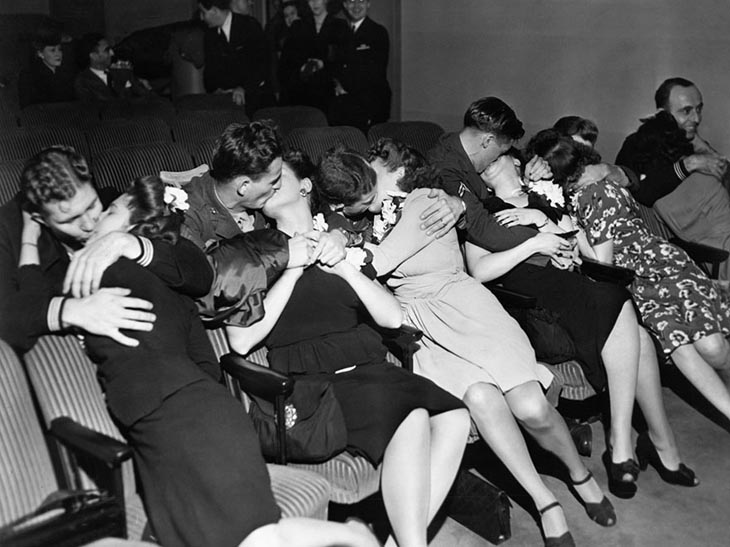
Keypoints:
(647, 454)
(617, 485)
(564, 540)
(602, 512)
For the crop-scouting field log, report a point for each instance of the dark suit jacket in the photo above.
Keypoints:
(89, 87)
(241, 62)
(362, 68)
(25, 293)
(459, 178)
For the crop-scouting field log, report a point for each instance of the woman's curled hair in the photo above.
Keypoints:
(150, 216)
(566, 157)
(417, 171)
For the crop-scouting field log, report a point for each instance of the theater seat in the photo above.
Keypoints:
(191, 127)
(286, 118)
(69, 114)
(10, 179)
(417, 134)
(117, 167)
(122, 132)
(315, 141)
(23, 142)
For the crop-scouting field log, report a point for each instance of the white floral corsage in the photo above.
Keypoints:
(176, 199)
(552, 193)
(384, 222)
(319, 223)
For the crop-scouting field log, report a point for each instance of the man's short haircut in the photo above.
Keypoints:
(86, 46)
(53, 174)
(245, 150)
(661, 97)
(343, 176)
(220, 4)
(575, 125)
(493, 115)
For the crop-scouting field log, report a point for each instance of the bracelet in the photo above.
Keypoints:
(29, 243)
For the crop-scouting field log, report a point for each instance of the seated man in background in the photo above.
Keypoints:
(236, 56)
(362, 93)
(56, 215)
(681, 174)
(100, 80)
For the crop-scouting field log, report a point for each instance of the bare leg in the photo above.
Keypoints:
(305, 532)
(498, 428)
(449, 432)
(542, 421)
(650, 399)
(405, 480)
(715, 350)
(703, 377)
(621, 358)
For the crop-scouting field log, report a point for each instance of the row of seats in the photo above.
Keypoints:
(122, 150)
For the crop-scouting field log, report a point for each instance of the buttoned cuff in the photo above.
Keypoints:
(53, 316)
(148, 252)
(680, 170)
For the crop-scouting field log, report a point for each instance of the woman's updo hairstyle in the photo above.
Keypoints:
(343, 176)
(150, 216)
(566, 157)
(394, 154)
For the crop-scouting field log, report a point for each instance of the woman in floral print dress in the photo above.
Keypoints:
(678, 303)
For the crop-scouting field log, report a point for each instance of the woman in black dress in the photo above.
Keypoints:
(47, 79)
(204, 480)
(314, 325)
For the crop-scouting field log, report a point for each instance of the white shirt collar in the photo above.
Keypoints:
(226, 27)
(356, 25)
(100, 73)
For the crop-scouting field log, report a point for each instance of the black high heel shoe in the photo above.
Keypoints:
(602, 512)
(647, 454)
(564, 540)
(617, 485)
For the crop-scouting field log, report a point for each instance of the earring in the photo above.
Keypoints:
(302, 192)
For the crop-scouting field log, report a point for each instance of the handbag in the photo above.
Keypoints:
(85, 516)
(315, 425)
(551, 342)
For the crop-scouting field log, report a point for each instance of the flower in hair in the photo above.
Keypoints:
(176, 199)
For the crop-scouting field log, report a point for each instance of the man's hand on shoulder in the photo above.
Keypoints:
(88, 265)
(711, 164)
(106, 312)
(442, 215)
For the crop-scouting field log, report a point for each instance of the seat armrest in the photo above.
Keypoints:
(256, 379)
(81, 439)
(402, 342)
(512, 299)
(600, 271)
(700, 252)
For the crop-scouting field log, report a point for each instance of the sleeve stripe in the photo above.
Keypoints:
(148, 252)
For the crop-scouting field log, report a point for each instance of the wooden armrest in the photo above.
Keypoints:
(700, 252)
(512, 299)
(256, 379)
(600, 271)
(81, 439)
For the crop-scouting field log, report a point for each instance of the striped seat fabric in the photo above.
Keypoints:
(315, 141)
(72, 114)
(23, 142)
(64, 381)
(10, 179)
(161, 109)
(190, 128)
(286, 118)
(417, 134)
(117, 167)
(203, 151)
(26, 472)
(118, 133)
(206, 101)
(575, 386)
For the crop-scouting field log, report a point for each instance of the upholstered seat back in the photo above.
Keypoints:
(26, 473)
(417, 134)
(315, 141)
